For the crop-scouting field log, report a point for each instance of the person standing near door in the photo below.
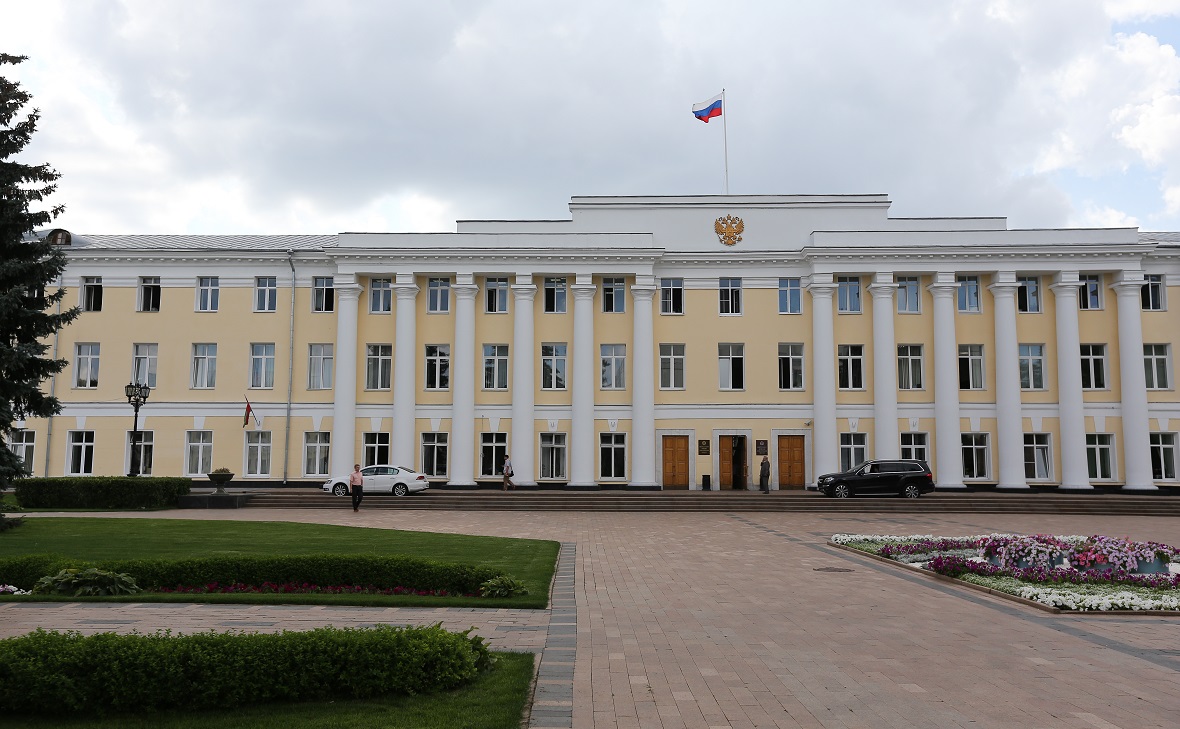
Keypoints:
(508, 473)
(356, 483)
(764, 475)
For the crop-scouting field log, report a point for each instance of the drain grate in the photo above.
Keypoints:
(831, 569)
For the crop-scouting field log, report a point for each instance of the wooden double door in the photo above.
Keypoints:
(733, 470)
(676, 454)
(792, 462)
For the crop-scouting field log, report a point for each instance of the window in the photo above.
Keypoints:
(204, 366)
(323, 295)
(553, 455)
(149, 293)
(21, 443)
(1100, 455)
(1037, 461)
(671, 296)
(438, 366)
(968, 294)
(913, 446)
(1090, 291)
(613, 293)
(848, 294)
(316, 453)
(790, 296)
(143, 450)
(258, 453)
(262, 365)
(730, 295)
(208, 292)
(374, 449)
(909, 366)
(554, 295)
(1028, 294)
(909, 296)
(438, 295)
(92, 293)
(143, 364)
(378, 367)
(496, 295)
(970, 366)
(80, 453)
(266, 293)
(495, 366)
(1155, 366)
(790, 366)
(975, 455)
(614, 366)
(1032, 367)
(850, 358)
(1163, 456)
(86, 366)
(492, 449)
(198, 446)
(380, 295)
(612, 455)
(671, 366)
(731, 363)
(553, 366)
(1153, 292)
(434, 454)
(319, 366)
(853, 450)
(1093, 366)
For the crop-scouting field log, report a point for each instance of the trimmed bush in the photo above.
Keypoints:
(101, 492)
(8, 522)
(86, 583)
(47, 672)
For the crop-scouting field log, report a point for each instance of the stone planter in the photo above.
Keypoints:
(1155, 566)
(1026, 564)
(220, 480)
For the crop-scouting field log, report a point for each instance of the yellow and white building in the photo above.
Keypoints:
(646, 342)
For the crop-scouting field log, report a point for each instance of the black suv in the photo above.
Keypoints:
(910, 479)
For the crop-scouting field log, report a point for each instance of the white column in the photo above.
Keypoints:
(1136, 432)
(948, 442)
(825, 445)
(405, 358)
(1009, 419)
(524, 355)
(582, 378)
(887, 443)
(463, 368)
(643, 388)
(343, 446)
(1074, 474)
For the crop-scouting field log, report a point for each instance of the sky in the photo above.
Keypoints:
(325, 116)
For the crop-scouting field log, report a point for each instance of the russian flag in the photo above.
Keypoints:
(706, 110)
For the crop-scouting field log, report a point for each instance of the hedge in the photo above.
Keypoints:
(101, 492)
(47, 672)
(325, 570)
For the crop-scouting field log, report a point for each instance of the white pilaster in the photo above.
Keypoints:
(582, 380)
(1136, 433)
(948, 442)
(1009, 420)
(643, 388)
(463, 366)
(524, 355)
(886, 440)
(343, 445)
(405, 358)
(823, 375)
(1074, 474)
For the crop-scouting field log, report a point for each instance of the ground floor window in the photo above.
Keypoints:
(1036, 457)
(913, 446)
(613, 455)
(140, 446)
(258, 453)
(492, 449)
(375, 449)
(434, 454)
(80, 453)
(1163, 456)
(198, 458)
(316, 447)
(553, 455)
(21, 443)
(975, 455)
(854, 450)
(1100, 455)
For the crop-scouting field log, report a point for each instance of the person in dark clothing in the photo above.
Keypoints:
(764, 475)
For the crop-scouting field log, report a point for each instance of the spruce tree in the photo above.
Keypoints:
(29, 265)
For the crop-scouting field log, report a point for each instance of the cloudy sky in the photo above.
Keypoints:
(318, 116)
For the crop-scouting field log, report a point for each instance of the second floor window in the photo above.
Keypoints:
(851, 365)
(731, 361)
(92, 293)
(496, 295)
(790, 366)
(495, 366)
(848, 294)
(968, 294)
(730, 295)
(204, 366)
(143, 364)
(1100, 455)
(80, 453)
(1037, 459)
(319, 366)
(553, 366)
(149, 293)
(671, 296)
(86, 366)
(258, 453)
(970, 366)
(208, 293)
(266, 293)
(1090, 291)
(438, 366)
(1032, 367)
(323, 294)
(380, 295)
(614, 366)
(909, 367)
(1093, 366)
(613, 294)
(1155, 366)
(790, 296)
(438, 295)
(976, 457)
(909, 296)
(554, 295)
(378, 366)
(262, 365)
(316, 453)
(1028, 294)
(1153, 292)
(671, 366)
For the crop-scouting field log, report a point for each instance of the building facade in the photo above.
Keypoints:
(646, 342)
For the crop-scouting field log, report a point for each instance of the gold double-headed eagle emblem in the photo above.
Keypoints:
(729, 229)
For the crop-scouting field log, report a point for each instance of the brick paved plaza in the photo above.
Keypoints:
(721, 620)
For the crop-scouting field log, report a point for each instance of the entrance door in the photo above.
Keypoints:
(792, 469)
(731, 462)
(675, 461)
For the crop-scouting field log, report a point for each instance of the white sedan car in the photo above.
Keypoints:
(396, 480)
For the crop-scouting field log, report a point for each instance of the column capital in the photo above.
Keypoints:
(882, 290)
(1004, 289)
(465, 291)
(583, 292)
(406, 291)
(644, 292)
(943, 289)
(524, 292)
(348, 291)
(1127, 289)
(1065, 289)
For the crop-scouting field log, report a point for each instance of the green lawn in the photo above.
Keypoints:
(529, 560)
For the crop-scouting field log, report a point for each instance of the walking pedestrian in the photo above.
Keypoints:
(764, 475)
(356, 482)
(508, 473)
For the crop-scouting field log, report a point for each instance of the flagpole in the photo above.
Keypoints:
(725, 137)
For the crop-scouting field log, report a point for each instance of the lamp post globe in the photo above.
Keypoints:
(137, 395)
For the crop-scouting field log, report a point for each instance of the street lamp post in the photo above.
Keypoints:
(137, 395)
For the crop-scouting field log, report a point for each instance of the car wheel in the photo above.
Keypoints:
(911, 491)
(340, 490)
(400, 489)
(841, 491)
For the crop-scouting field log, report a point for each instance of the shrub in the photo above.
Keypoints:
(88, 582)
(7, 522)
(101, 492)
(502, 586)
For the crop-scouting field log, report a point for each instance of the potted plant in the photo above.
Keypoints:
(1104, 554)
(1024, 551)
(220, 477)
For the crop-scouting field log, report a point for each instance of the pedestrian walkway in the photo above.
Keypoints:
(733, 620)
